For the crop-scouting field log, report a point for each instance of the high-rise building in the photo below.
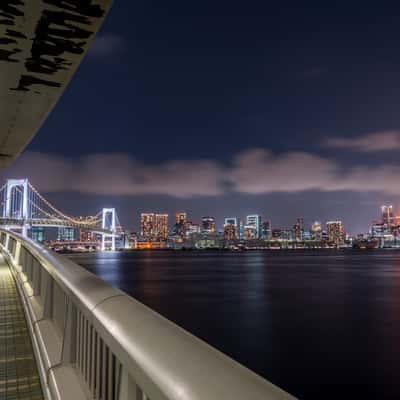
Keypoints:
(192, 228)
(181, 218)
(335, 232)
(208, 224)
(316, 231)
(37, 234)
(231, 221)
(161, 226)
(255, 221)
(231, 229)
(66, 234)
(298, 229)
(387, 215)
(250, 232)
(87, 236)
(154, 226)
(147, 222)
(266, 230)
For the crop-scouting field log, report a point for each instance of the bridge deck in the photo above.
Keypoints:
(19, 377)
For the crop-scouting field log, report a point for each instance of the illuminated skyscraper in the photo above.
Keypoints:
(387, 215)
(147, 225)
(161, 226)
(254, 221)
(208, 224)
(66, 234)
(335, 232)
(37, 233)
(298, 229)
(266, 230)
(231, 229)
(181, 218)
(316, 231)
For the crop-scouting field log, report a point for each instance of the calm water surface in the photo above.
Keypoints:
(320, 324)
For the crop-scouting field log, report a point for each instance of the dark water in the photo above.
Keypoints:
(321, 325)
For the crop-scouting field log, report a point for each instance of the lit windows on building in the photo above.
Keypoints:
(161, 226)
(154, 226)
(87, 236)
(181, 218)
(66, 234)
(335, 232)
(208, 225)
(298, 229)
(147, 225)
(250, 232)
(192, 228)
(254, 221)
(266, 230)
(387, 215)
(231, 229)
(38, 234)
(316, 231)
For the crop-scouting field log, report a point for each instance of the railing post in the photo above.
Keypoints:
(70, 334)
(128, 389)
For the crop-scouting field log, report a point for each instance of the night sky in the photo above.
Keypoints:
(228, 108)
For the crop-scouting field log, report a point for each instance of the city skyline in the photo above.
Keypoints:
(246, 120)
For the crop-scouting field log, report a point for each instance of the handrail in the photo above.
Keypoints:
(117, 347)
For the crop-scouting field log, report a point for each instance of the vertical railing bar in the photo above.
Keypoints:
(86, 348)
(110, 375)
(78, 339)
(91, 353)
(96, 367)
(104, 372)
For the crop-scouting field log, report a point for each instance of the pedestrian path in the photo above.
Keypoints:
(19, 378)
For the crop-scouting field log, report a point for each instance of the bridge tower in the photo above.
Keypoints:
(15, 206)
(108, 222)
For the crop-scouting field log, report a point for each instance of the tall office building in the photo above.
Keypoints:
(298, 229)
(66, 234)
(37, 234)
(266, 230)
(316, 231)
(231, 229)
(335, 232)
(147, 222)
(181, 218)
(387, 215)
(208, 224)
(192, 228)
(254, 221)
(161, 226)
(154, 226)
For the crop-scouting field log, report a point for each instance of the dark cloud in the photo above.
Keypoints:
(369, 143)
(256, 171)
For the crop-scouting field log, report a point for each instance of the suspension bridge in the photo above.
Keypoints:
(23, 207)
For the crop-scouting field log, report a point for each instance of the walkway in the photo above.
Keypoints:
(19, 379)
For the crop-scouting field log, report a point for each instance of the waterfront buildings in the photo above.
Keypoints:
(154, 226)
(335, 232)
(66, 234)
(231, 229)
(387, 215)
(266, 230)
(255, 222)
(38, 234)
(208, 225)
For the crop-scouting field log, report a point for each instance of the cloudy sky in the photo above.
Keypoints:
(226, 109)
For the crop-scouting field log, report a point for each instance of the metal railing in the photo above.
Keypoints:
(93, 341)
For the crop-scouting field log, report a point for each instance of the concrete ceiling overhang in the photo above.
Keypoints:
(42, 43)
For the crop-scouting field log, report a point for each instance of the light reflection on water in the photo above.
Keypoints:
(319, 324)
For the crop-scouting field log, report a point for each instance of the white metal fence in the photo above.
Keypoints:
(93, 341)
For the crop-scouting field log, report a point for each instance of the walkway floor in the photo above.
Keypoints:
(19, 379)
